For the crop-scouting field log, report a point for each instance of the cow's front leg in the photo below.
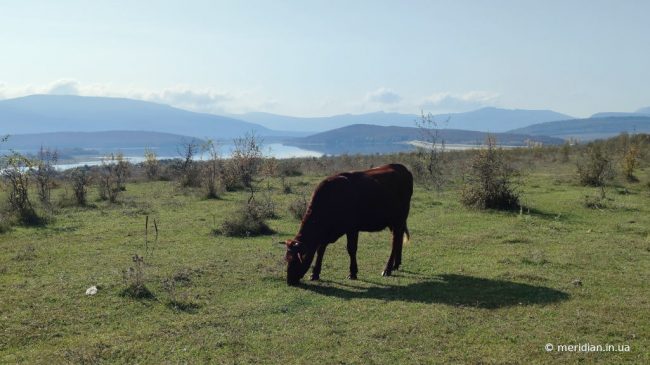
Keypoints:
(395, 253)
(353, 239)
(315, 272)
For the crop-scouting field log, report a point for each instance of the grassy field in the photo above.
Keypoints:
(476, 287)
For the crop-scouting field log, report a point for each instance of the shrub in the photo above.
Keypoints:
(298, 207)
(16, 172)
(134, 279)
(211, 169)
(630, 163)
(188, 169)
(247, 221)
(150, 164)
(44, 174)
(110, 178)
(594, 167)
(247, 160)
(80, 178)
(488, 181)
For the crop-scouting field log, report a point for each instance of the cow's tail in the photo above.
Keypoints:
(407, 235)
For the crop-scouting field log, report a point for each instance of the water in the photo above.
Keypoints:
(136, 154)
(278, 150)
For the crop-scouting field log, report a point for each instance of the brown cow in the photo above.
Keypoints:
(347, 203)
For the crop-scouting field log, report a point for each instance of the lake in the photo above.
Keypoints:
(277, 150)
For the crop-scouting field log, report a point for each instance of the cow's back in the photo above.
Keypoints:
(382, 196)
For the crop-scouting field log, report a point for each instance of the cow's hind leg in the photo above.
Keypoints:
(315, 272)
(398, 255)
(396, 251)
(353, 240)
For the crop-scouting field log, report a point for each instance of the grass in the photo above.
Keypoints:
(476, 286)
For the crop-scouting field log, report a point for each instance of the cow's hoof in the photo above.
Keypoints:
(314, 277)
(385, 273)
(352, 276)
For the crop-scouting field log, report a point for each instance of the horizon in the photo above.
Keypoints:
(333, 58)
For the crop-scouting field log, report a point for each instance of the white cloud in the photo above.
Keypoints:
(454, 102)
(64, 87)
(383, 96)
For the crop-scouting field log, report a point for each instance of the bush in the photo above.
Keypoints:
(247, 221)
(630, 163)
(134, 279)
(80, 178)
(150, 164)
(594, 167)
(298, 207)
(44, 174)
(16, 173)
(488, 181)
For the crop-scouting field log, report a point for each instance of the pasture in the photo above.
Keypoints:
(474, 287)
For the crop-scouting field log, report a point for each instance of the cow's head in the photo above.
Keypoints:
(298, 261)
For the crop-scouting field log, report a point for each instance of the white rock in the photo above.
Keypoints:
(92, 290)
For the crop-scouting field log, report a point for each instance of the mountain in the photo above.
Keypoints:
(645, 110)
(320, 124)
(365, 134)
(96, 140)
(589, 128)
(68, 113)
(485, 120)
(618, 114)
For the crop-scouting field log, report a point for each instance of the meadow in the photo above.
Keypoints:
(476, 286)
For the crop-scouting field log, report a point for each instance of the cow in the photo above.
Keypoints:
(344, 204)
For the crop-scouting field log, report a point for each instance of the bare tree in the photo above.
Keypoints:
(431, 154)
(188, 169)
(247, 160)
(212, 167)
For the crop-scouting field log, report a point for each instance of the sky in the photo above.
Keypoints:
(314, 58)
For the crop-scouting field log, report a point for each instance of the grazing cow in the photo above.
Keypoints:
(347, 203)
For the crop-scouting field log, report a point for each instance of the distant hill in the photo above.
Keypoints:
(485, 120)
(618, 114)
(320, 124)
(364, 134)
(645, 110)
(68, 113)
(96, 140)
(589, 128)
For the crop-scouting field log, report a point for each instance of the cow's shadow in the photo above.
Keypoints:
(450, 289)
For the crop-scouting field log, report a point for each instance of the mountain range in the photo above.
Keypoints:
(589, 128)
(68, 113)
(487, 119)
(62, 120)
(346, 139)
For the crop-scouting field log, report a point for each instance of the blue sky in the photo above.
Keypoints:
(328, 57)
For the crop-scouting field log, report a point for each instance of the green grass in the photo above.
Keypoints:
(476, 287)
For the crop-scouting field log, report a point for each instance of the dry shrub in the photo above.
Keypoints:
(489, 180)
(630, 163)
(247, 221)
(134, 279)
